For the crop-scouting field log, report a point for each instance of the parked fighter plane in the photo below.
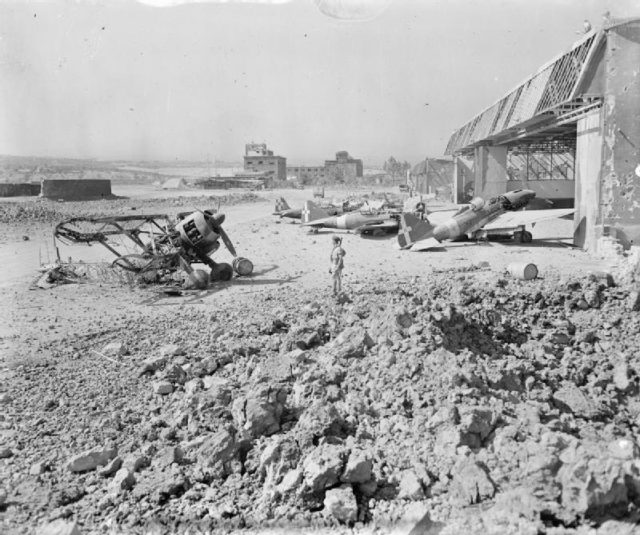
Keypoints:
(498, 216)
(366, 224)
(283, 209)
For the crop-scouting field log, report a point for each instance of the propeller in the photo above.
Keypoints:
(216, 224)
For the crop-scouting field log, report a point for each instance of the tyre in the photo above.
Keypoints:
(222, 272)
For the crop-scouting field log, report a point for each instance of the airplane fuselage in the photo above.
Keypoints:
(348, 221)
(467, 222)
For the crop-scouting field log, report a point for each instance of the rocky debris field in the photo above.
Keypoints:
(48, 211)
(459, 402)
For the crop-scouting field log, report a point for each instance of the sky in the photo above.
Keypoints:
(129, 80)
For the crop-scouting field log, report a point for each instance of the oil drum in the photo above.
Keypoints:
(242, 266)
(522, 270)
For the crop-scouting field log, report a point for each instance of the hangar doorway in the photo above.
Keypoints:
(546, 166)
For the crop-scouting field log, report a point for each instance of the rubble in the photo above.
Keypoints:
(480, 411)
(91, 459)
(59, 527)
(341, 504)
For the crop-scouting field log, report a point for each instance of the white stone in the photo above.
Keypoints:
(171, 350)
(163, 388)
(59, 527)
(341, 504)
(114, 349)
(91, 459)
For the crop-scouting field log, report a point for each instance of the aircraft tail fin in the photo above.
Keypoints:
(282, 205)
(413, 229)
(312, 211)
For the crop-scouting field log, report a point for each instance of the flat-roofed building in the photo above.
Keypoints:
(258, 159)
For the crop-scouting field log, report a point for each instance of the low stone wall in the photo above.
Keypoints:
(75, 190)
(24, 189)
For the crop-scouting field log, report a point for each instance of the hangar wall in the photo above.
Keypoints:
(620, 189)
(26, 189)
(75, 190)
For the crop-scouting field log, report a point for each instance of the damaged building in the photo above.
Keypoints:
(571, 133)
(432, 176)
(258, 159)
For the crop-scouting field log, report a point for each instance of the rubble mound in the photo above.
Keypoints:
(458, 401)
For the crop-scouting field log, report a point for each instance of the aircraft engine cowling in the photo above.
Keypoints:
(195, 231)
(477, 203)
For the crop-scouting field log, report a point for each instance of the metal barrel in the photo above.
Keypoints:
(522, 270)
(242, 266)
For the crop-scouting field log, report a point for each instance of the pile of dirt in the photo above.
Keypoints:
(500, 406)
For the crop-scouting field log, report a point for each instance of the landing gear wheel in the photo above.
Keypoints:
(221, 272)
(517, 236)
(527, 237)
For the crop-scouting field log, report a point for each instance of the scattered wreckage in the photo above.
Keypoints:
(163, 245)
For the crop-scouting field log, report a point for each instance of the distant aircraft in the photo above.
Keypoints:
(362, 223)
(283, 209)
(479, 219)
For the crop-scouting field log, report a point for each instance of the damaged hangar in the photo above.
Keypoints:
(570, 132)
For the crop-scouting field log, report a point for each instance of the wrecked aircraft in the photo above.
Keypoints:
(164, 245)
(500, 215)
(366, 224)
(283, 209)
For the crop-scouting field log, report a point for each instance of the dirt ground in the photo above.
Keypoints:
(285, 255)
(280, 329)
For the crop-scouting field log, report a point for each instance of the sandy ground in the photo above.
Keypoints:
(64, 396)
(284, 254)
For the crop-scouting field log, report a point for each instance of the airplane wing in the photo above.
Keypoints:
(440, 216)
(318, 222)
(527, 217)
(386, 225)
(424, 245)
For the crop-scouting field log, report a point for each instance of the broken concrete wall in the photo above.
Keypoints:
(24, 189)
(75, 190)
(620, 188)
(587, 226)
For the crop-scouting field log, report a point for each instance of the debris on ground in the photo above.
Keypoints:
(55, 274)
(443, 398)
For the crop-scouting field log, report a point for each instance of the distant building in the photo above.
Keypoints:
(343, 167)
(258, 159)
(434, 175)
(306, 173)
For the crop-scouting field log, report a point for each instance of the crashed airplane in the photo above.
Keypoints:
(501, 215)
(164, 245)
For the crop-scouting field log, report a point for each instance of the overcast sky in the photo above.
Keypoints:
(125, 80)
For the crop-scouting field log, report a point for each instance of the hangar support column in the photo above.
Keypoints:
(620, 188)
(587, 224)
(490, 164)
(462, 177)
